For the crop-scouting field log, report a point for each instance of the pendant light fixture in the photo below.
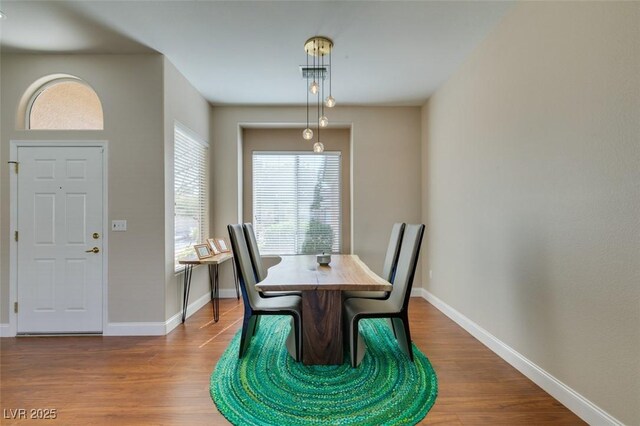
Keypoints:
(307, 133)
(317, 48)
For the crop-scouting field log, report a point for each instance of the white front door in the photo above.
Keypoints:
(59, 222)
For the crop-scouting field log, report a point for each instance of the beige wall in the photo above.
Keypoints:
(531, 172)
(182, 103)
(130, 87)
(4, 258)
(386, 165)
(337, 140)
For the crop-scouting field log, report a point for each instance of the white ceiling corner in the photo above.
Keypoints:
(248, 52)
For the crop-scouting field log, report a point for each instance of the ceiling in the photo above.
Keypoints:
(249, 53)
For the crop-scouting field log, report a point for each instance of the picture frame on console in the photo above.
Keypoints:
(203, 251)
(222, 245)
(212, 245)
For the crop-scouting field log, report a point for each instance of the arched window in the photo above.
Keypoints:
(64, 104)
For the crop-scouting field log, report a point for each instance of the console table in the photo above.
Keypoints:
(213, 262)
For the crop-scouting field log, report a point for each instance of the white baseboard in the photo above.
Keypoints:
(5, 331)
(581, 406)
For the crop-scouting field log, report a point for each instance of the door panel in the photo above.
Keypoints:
(59, 208)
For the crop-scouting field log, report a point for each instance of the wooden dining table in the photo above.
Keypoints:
(322, 287)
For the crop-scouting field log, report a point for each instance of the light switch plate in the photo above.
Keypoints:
(118, 225)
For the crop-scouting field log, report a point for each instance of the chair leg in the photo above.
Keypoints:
(297, 325)
(393, 327)
(403, 335)
(407, 332)
(255, 325)
(353, 339)
(245, 336)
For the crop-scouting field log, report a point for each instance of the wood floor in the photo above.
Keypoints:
(165, 380)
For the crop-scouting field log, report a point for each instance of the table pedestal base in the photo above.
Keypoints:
(322, 327)
(290, 343)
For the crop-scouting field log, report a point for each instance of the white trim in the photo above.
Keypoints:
(13, 245)
(105, 234)
(13, 218)
(5, 330)
(581, 406)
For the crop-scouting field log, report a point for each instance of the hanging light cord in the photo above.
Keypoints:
(307, 89)
(330, 72)
(322, 75)
(318, 97)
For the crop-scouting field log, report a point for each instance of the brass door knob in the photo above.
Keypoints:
(96, 235)
(93, 250)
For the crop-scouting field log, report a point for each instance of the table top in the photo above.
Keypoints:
(300, 273)
(213, 260)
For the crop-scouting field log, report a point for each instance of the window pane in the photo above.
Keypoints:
(296, 202)
(67, 105)
(190, 184)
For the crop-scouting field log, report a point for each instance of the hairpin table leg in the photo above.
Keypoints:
(186, 287)
(215, 297)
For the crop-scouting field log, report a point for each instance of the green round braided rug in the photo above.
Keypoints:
(267, 387)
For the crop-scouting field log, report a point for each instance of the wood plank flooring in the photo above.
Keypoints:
(165, 380)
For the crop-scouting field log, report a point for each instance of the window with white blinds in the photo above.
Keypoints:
(296, 202)
(190, 177)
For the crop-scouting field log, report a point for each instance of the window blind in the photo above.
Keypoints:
(190, 177)
(297, 202)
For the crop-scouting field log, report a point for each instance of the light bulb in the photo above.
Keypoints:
(323, 121)
(330, 102)
(314, 87)
(318, 147)
(307, 134)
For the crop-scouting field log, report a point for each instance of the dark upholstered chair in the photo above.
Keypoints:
(258, 265)
(396, 306)
(254, 305)
(389, 267)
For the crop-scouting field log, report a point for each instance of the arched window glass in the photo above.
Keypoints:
(65, 104)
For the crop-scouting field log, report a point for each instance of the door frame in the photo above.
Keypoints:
(13, 219)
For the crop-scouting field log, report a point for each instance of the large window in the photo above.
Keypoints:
(190, 176)
(296, 202)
